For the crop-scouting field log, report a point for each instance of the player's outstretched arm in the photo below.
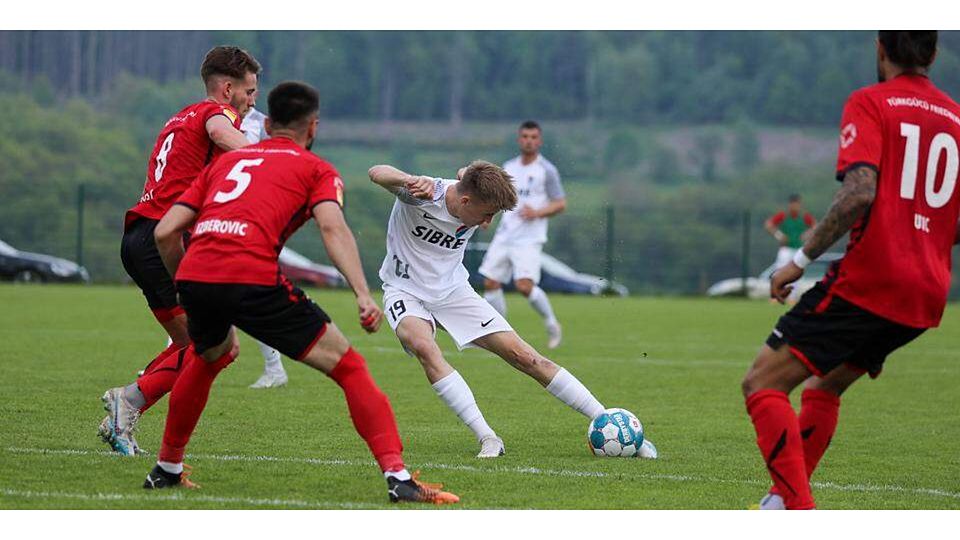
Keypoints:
(396, 181)
(341, 246)
(224, 135)
(552, 208)
(849, 204)
(169, 235)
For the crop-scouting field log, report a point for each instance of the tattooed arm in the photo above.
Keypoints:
(849, 204)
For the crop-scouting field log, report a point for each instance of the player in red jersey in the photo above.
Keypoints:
(242, 209)
(898, 161)
(189, 140)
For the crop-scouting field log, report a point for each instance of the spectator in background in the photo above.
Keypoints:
(791, 228)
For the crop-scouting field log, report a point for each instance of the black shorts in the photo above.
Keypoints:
(141, 260)
(281, 315)
(824, 331)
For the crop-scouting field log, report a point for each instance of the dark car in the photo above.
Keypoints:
(26, 267)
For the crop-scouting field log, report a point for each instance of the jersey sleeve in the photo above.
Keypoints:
(778, 218)
(861, 135)
(194, 196)
(327, 186)
(405, 197)
(219, 108)
(552, 183)
(808, 220)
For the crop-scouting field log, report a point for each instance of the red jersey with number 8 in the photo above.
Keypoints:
(898, 260)
(182, 150)
(249, 202)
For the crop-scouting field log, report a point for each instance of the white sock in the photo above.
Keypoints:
(453, 390)
(538, 299)
(172, 468)
(271, 358)
(133, 396)
(496, 299)
(571, 391)
(402, 475)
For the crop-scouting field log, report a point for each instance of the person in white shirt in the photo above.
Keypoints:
(425, 285)
(515, 250)
(273, 373)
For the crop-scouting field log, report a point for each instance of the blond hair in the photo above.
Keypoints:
(489, 184)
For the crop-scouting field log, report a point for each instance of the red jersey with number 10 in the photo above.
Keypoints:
(249, 202)
(182, 150)
(898, 262)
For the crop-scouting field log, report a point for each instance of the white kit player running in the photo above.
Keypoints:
(425, 285)
(516, 246)
(273, 375)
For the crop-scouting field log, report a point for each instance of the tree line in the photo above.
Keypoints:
(795, 78)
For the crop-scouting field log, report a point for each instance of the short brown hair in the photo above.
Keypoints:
(232, 62)
(489, 184)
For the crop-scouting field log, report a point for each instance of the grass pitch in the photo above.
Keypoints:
(676, 363)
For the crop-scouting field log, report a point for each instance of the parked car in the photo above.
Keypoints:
(26, 267)
(302, 270)
(555, 276)
(759, 287)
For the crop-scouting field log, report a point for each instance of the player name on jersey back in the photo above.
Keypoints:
(425, 246)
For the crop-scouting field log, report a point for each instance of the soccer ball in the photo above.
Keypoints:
(615, 433)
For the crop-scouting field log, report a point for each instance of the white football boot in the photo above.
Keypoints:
(271, 379)
(491, 447)
(647, 450)
(772, 501)
(117, 428)
(554, 335)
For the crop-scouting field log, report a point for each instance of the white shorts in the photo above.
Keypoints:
(505, 261)
(785, 255)
(463, 314)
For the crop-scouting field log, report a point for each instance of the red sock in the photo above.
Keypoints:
(187, 400)
(778, 436)
(370, 410)
(160, 375)
(819, 411)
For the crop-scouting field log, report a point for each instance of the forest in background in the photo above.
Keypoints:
(680, 131)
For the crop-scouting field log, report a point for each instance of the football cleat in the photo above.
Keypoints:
(413, 490)
(117, 428)
(771, 501)
(554, 335)
(647, 450)
(491, 447)
(159, 479)
(271, 379)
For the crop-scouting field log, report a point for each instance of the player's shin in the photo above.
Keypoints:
(455, 392)
(370, 410)
(158, 379)
(187, 401)
(819, 413)
(568, 389)
(495, 298)
(541, 304)
(778, 436)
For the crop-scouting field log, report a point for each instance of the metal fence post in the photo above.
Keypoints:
(745, 252)
(608, 271)
(80, 205)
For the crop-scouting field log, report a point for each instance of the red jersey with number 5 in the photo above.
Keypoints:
(898, 262)
(182, 150)
(249, 202)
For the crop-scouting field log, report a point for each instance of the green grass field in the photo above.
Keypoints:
(676, 363)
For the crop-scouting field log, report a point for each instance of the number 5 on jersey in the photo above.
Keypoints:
(242, 178)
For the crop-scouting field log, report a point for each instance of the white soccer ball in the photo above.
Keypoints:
(615, 433)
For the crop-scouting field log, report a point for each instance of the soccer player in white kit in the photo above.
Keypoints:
(274, 375)
(425, 284)
(518, 242)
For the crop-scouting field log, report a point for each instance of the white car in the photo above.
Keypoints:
(759, 287)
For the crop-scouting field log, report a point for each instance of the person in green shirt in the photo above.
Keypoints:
(790, 227)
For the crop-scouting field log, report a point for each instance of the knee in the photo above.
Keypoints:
(749, 384)
(525, 286)
(826, 385)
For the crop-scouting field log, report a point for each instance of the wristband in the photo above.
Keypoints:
(800, 259)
